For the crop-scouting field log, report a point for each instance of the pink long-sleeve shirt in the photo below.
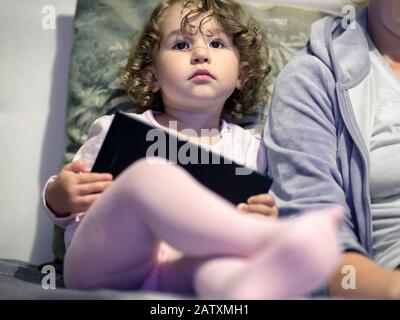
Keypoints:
(236, 143)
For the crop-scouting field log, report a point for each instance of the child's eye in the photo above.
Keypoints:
(181, 45)
(216, 44)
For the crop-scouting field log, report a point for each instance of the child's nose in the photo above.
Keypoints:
(200, 55)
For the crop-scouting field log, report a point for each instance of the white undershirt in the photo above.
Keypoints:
(385, 163)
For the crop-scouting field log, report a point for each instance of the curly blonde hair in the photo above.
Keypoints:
(247, 36)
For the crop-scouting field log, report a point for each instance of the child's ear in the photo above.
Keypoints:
(243, 71)
(149, 75)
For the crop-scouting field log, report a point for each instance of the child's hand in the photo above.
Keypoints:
(261, 205)
(75, 189)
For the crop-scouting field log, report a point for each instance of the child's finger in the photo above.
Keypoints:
(94, 187)
(242, 206)
(85, 202)
(263, 198)
(261, 209)
(77, 166)
(94, 177)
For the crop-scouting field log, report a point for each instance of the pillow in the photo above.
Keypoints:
(103, 33)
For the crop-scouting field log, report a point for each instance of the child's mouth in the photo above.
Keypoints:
(201, 74)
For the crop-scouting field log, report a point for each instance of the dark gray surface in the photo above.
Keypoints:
(21, 280)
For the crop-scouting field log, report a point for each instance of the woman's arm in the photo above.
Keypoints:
(302, 142)
(370, 280)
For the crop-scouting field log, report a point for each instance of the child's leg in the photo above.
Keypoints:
(116, 244)
(290, 266)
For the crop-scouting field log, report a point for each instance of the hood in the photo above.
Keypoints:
(344, 51)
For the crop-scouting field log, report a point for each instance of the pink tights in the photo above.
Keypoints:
(156, 228)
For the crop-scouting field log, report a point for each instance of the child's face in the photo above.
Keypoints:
(195, 72)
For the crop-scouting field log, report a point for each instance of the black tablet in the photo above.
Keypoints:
(129, 139)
